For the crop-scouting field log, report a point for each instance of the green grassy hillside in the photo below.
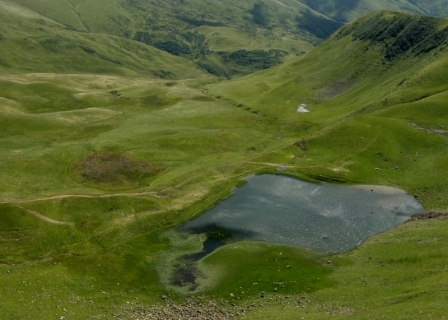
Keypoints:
(375, 90)
(223, 38)
(33, 43)
(100, 161)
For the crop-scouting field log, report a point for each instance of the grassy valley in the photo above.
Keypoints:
(109, 142)
(221, 38)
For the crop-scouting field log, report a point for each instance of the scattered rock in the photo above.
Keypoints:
(428, 215)
(191, 308)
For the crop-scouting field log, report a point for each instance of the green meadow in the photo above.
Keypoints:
(101, 161)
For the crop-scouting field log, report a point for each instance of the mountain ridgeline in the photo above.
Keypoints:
(349, 10)
(223, 38)
(400, 34)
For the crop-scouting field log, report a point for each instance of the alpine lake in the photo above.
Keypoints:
(284, 210)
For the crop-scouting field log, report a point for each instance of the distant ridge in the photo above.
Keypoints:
(400, 34)
(348, 10)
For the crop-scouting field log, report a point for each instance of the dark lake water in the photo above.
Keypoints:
(325, 218)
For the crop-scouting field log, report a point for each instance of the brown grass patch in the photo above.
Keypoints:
(111, 170)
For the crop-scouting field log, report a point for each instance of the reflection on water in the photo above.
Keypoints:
(326, 218)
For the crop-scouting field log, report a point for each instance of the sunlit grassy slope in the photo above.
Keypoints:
(97, 169)
(376, 92)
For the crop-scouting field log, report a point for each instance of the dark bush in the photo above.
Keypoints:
(173, 47)
(198, 22)
(260, 14)
(88, 50)
(257, 59)
(144, 37)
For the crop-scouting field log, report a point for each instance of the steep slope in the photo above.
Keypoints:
(33, 43)
(384, 72)
(223, 37)
(342, 10)
(378, 98)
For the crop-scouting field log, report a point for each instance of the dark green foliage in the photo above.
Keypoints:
(210, 68)
(404, 34)
(199, 22)
(319, 26)
(198, 41)
(1, 37)
(432, 42)
(414, 33)
(58, 43)
(258, 59)
(144, 37)
(260, 14)
(88, 50)
(164, 74)
(173, 47)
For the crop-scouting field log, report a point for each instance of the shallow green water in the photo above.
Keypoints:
(326, 218)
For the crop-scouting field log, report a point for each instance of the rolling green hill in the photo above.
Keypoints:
(107, 144)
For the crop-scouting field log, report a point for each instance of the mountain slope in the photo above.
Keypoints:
(33, 43)
(342, 10)
(225, 38)
(381, 65)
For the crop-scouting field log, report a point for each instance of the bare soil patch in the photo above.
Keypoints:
(112, 170)
(428, 215)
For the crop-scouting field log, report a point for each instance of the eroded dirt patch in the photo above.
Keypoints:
(428, 216)
(111, 170)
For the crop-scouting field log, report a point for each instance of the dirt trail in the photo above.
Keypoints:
(42, 217)
(64, 196)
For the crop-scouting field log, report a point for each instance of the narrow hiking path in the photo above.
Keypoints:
(42, 217)
(65, 196)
